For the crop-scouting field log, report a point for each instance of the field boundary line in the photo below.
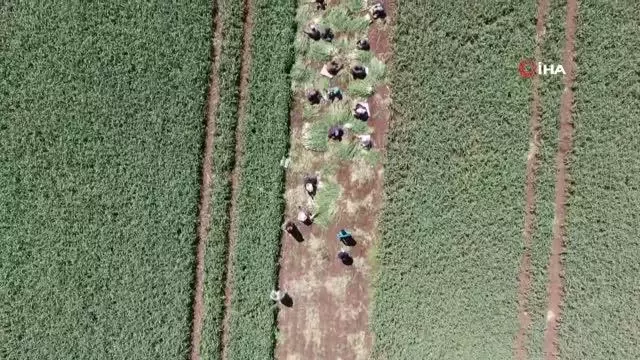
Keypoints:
(555, 289)
(533, 162)
(204, 211)
(235, 175)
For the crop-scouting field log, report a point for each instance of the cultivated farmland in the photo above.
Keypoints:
(101, 110)
(454, 181)
(501, 237)
(602, 312)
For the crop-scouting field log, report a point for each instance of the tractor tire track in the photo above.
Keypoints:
(235, 176)
(204, 213)
(555, 288)
(533, 162)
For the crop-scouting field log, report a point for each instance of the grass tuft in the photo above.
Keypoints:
(360, 89)
(326, 202)
(339, 20)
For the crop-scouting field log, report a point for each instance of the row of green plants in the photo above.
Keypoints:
(451, 228)
(226, 120)
(601, 312)
(260, 203)
(101, 113)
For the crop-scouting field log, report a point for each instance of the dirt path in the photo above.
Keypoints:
(204, 214)
(330, 315)
(235, 176)
(555, 290)
(533, 161)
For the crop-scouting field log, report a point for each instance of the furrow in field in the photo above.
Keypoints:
(555, 291)
(213, 99)
(533, 161)
(235, 177)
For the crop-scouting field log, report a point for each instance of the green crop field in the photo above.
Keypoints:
(260, 203)
(101, 112)
(226, 119)
(454, 181)
(602, 313)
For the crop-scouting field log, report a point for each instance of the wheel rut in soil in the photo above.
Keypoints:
(533, 162)
(204, 213)
(235, 176)
(555, 287)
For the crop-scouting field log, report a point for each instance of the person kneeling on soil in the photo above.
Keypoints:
(361, 113)
(345, 257)
(334, 94)
(304, 216)
(336, 133)
(313, 31)
(327, 34)
(310, 184)
(363, 45)
(292, 230)
(333, 67)
(377, 12)
(359, 72)
(313, 96)
(365, 141)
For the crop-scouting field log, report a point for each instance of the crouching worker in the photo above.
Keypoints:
(304, 216)
(377, 12)
(314, 96)
(361, 113)
(336, 133)
(363, 44)
(321, 5)
(310, 184)
(334, 94)
(345, 257)
(313, 32)
(358, 72)
(365, 141)
(292, 230)
(333, 67)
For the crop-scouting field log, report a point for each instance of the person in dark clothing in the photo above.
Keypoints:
(310, 184)
(363, 44)
(361, 113)
(321, 5)
(334, 94)
(304, 216)
(345, 238)
(358, 72)
(365, 141)
(313, 96)
(345, 257)
(336, 133)
(327, 34)
(293, 231)
(377, 12)
(333, 67)
(313, 32)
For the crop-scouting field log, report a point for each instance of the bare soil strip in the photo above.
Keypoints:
(330, 315)
(555, 290)
(235, 176)
(204, 215)
(533, 161)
